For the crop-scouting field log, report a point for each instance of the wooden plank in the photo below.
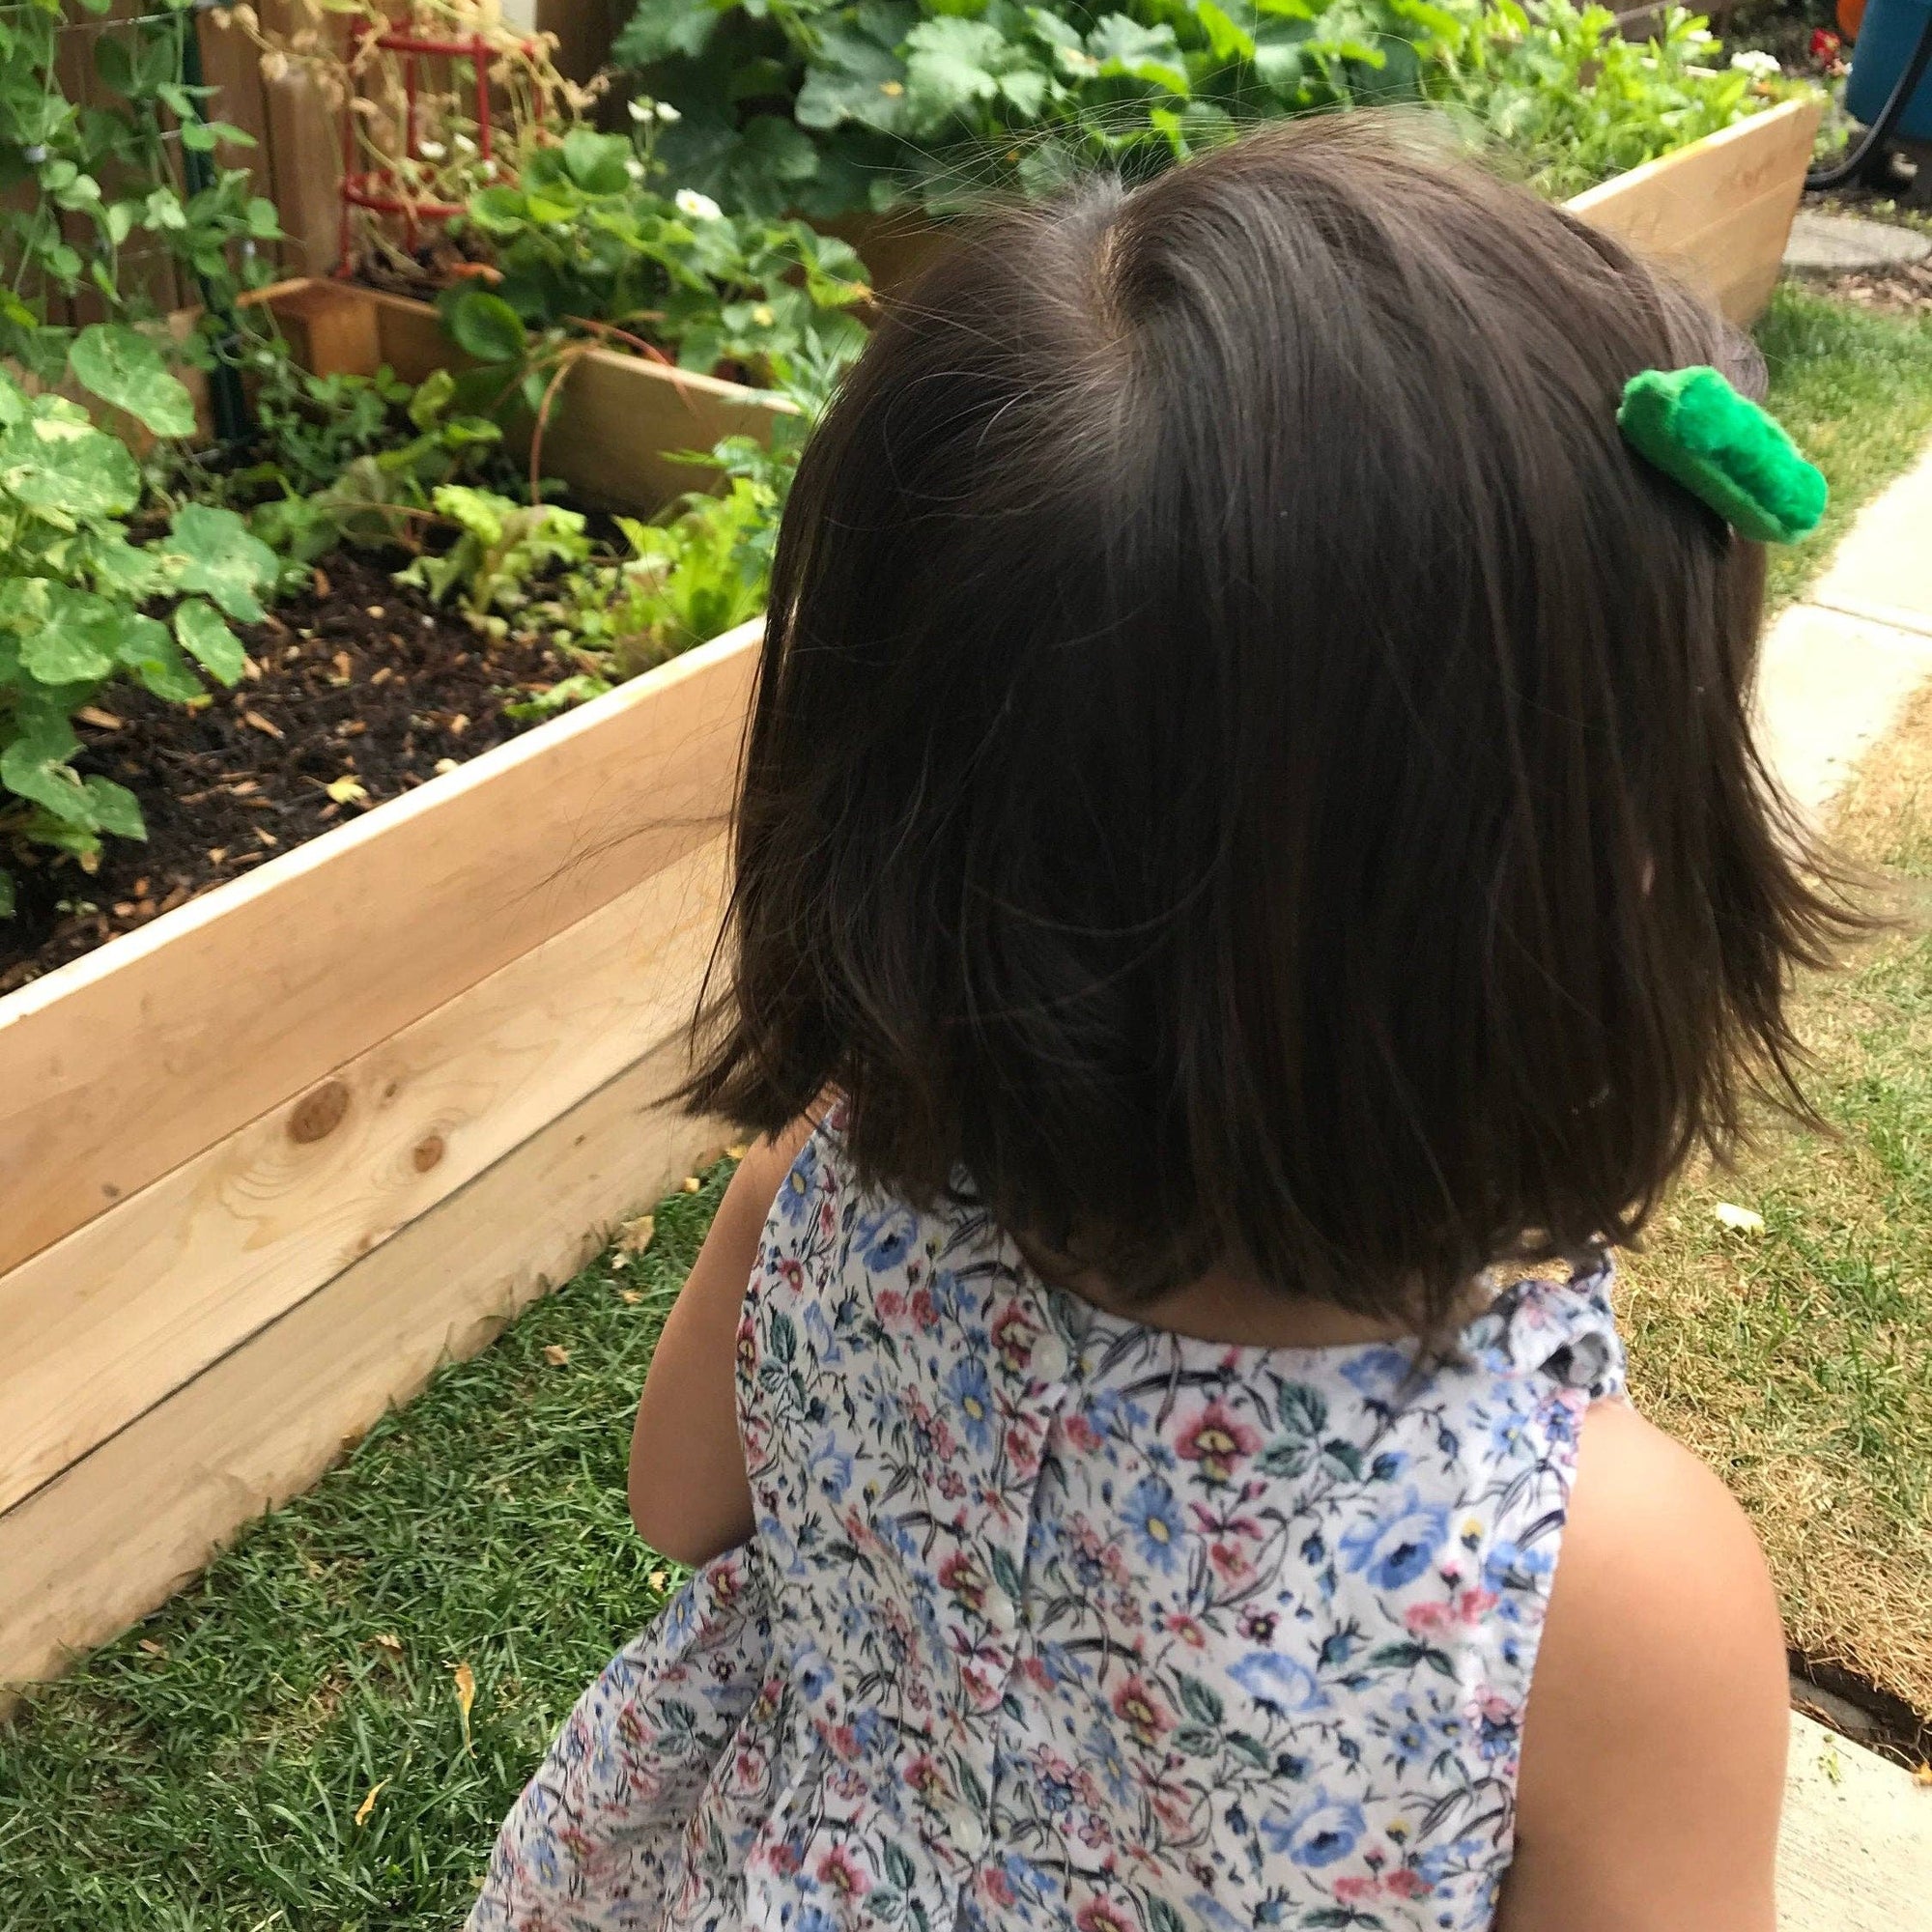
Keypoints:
(124, 1528)
(99, 1328)
(1660, 204)
(620, 421)
(1855, 1853)
(120, 1067)
(304, 147)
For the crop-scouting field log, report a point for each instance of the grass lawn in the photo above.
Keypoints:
(284, 1744)
(1853, 387)
(1799, 1361)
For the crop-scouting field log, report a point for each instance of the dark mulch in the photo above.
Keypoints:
(359, 680)
(1904, 289)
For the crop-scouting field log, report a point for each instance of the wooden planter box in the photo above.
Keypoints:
(1718, 212)
(620, 424)
(274, 1156)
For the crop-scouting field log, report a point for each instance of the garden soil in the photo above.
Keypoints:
(357, 691)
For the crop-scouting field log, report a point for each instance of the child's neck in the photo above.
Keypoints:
(1228, 1305)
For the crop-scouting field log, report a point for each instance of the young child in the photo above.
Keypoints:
(1250, 833)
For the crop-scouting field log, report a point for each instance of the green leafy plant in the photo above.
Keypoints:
(702, 567)
(79, 184)
(504, 545)
(585, 252)
(353, 459)
(834, 106)
(1575, 102)
(73, 583)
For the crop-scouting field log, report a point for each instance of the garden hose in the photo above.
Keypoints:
(1870, 144)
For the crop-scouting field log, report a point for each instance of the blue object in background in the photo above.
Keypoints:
(1887, 34)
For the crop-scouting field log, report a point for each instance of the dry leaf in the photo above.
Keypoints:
(691, 1183)
(555, 1354)
(1739, 1220)
(368, 1805)
(153, 1648)
(635, 1236)
(629, 1294)
(389, 1641)
(465, 1696)
(660, 1579)
(101, 720)
(348, 789)
(256, 722)
(737, 1152)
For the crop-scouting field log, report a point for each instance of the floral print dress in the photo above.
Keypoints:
(1050, 1619)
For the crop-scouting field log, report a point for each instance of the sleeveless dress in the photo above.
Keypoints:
(1050, 1619)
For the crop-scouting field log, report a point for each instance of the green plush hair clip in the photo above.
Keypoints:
(1725, 450)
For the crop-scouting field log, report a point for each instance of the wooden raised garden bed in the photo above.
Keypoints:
(276, 1153)
(1719, 211)
(621, 422)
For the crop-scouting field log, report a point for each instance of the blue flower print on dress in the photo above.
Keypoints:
(1056, 1623)
(1397, 1549)
(1154, 1517)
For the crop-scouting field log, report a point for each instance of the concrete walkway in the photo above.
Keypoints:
(1837, 670)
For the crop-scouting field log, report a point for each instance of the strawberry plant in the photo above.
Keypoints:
(830, 107)
(74, 581)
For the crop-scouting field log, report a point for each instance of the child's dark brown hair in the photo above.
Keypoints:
(1247, 765)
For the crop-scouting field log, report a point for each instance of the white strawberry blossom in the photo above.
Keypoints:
(698, 207)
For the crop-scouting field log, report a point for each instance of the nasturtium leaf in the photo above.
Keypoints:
(35, 767)
(209, 641)
(212, 552)
(116, 809)
(121, 366)
(144, 645)
(66, 654)
(67, 472)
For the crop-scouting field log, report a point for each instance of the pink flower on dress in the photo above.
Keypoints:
(891, 1304)
(1189, 1630)
(791, 1271)
(1220, 1441)
(962, 1578)
(1100, 1914)
(839, 1871)
(1142, 1712)
(1014, 1333)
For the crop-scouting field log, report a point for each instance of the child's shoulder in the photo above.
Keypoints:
(1654, 1742)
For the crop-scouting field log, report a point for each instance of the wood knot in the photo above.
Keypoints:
(428, 1151)
(318, 1112)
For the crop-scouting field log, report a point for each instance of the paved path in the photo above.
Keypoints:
(1839, 668)
(1836, 672)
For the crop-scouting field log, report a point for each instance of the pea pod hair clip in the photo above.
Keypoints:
(1726, 450)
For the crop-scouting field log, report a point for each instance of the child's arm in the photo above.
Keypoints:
(1654, 1744)
(689, 1496)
